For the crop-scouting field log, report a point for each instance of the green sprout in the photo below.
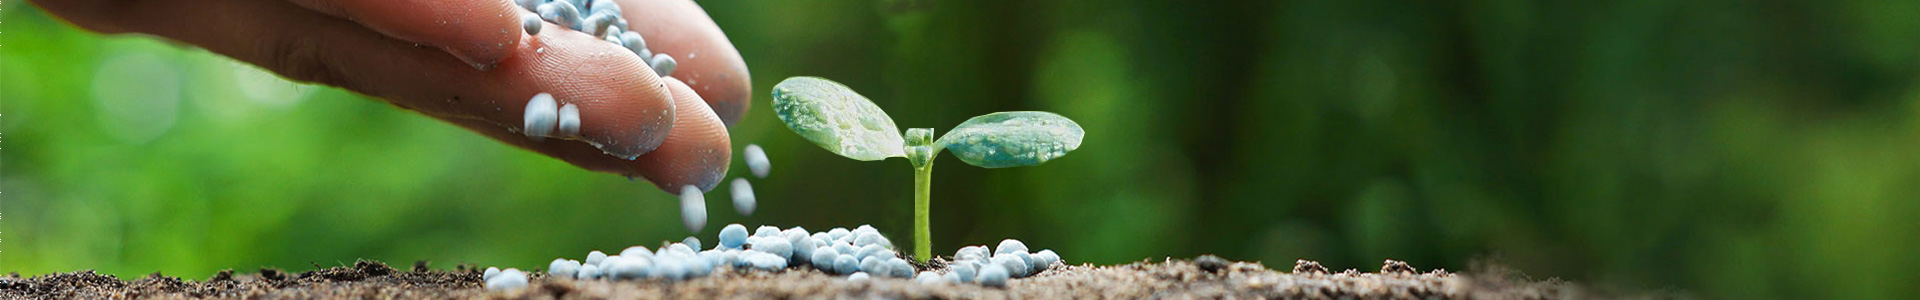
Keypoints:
(840, 120)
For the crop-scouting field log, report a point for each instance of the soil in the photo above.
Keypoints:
(1206, 277)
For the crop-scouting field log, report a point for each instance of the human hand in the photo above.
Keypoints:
(468, 62)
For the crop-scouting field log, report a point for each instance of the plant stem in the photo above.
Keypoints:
(920, 151)
(922, 190)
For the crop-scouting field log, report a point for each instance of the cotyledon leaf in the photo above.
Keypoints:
(836, 118)
(1012, 139)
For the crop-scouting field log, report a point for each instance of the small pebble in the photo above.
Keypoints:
(803, 253)
(699, 267)
(727, 258)
(928, 277)
(1024, 259)
(612, 34)
(952, 277)
(794, 234)
(529, 4)
(1013, 264)
(670, 270)
(593, 258)
(858, 276)
(767, 261)
(870, 238)
(491, 271)
(874, 265)
(844, 247)
(696, 267)
(823, 258)
(578, 6)
(900, 268)
(578, 11)
(561, 267)
(628, 269)
(1044, 260)
(633, 41)
(560, 13)
(766, 231)
(587, 272)
(733, 236)
(636, 252)
(531, 23)
(614, 40)
(757, 161)
(711, 256)
(869, 250)
(742, 196)
(693, 208)
(680, 248)
(507, 280)
(540, 116)
(691, 242)
(971, 253)
(741, 259)
(663, 64)
(690, 266)
(992, 275)
(775, 246)
(814, 244)
(1010, 246)
(595, 24)
(569, 120)
(966, 270)
(838, 232)
(595, 6)
(846, 264)
(606, 265)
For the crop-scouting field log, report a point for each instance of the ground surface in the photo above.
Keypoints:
(1203, 278)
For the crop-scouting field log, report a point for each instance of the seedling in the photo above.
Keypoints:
(846, 123)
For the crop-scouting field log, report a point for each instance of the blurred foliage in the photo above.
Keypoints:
(1732, 149)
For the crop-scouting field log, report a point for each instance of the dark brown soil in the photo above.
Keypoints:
(1203, 278)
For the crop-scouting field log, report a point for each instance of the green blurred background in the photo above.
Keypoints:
(1729, 149)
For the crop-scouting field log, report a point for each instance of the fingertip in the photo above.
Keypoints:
(625, 110)
(708, 61)
(724, 85)
(698, 150)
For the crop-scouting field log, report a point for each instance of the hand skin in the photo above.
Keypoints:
(468, 62)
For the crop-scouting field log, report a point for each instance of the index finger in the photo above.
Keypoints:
(478, 32)
(708, 62)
